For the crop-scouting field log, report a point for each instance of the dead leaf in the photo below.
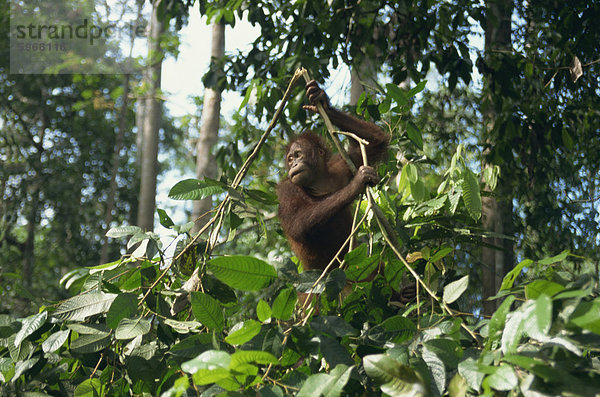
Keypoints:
(575, 69)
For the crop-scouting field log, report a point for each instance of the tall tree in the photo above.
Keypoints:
(206, 165)
(497, 255)
(152, 113)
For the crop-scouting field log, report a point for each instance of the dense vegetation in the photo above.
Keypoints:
(129, 327)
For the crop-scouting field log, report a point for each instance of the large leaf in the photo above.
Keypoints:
(469, 369)
(81, 307)
(207, 360)
(263, 311)
(332, 325)
(436, 368)
(539, 287)
(314, 386)
(359, 264)
(414, 134)
(496, 324)
(587, 316)
(455, 289)
(242, 357)
(193, 189)
(243, 272)
(130, 328)
(89, 343)
(123, 231)
(327, 385)
(124, 306)
(207, 310)
(395, 378)
(89, 388)
(55, 341)
(339, 377)
(504, 378)
(29, 326)
(284, 304)
(246, 332)
(511, 276)
(471, 194)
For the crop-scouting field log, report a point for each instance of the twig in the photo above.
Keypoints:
(194, 280)
(388, 233)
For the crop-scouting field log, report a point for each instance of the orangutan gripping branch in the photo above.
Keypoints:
(315, 198)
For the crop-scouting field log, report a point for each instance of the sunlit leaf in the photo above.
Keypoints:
(82, 306)
(455, 289)
(284, 304)
(207, 310)
(243, 272)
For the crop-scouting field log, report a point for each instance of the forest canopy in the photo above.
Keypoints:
(473, 263)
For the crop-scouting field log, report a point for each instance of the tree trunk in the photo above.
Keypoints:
(363, 78)
(152, 114)
(110, 201)
(496, 215)
(29, 246)
(206, 165)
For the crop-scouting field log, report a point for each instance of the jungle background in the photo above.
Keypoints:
(490, 186)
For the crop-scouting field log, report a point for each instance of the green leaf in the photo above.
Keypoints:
(55, 341)
(249, 330)
(436, 368)
(263, 311)
(82, 306)
(471, 194)
(243, 272)
(555, 259)
(504, 378)
(29, 326)
(89, 329)
(458, 386)
(538, 287)
(284, 304)
(131, 328)
(194, 189)
(123, 231)
(418, 191)
(396, 93)
(396, 329)
(23, 366)
(511, 276)
(513, 331)
(208, 360)
(124, 306)
(339, 377)
(315, 385)
(411, 172)
(418, 88)
(164, 218)
(542, 315)
(332, 325)
(208, 376)
(90, 343)
(207, 310)
(89, 388)
(395, 379)
(243, 357)
(455, 289)
(441, 253)
(587, 316)
(496, 324)
(334, 283)
(469, 369)
(359, 264)
(414, 134)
